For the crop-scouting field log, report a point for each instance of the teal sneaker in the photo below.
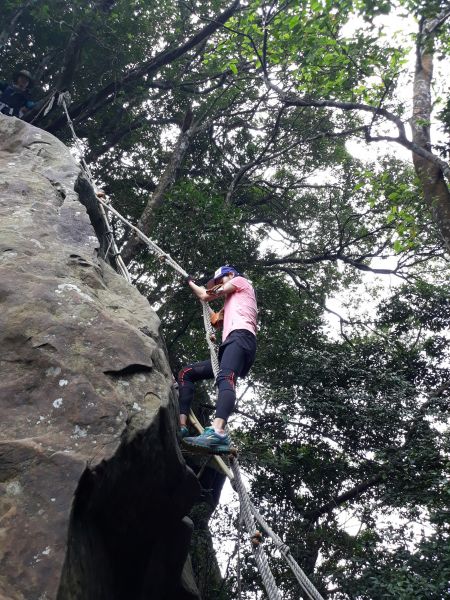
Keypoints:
(208, 442)
(184, 432)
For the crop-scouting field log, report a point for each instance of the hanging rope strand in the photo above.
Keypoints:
(154, 247)
(300, 575)
(238, 562)
(258, 551)
(85, 168)
(119, 260)
(209, 337)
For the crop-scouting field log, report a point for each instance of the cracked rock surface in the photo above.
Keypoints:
(93, 487)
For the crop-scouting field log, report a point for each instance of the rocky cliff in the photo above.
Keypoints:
(94, 491)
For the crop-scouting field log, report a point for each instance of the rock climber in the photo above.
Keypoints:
(236, 355)
(15, 98)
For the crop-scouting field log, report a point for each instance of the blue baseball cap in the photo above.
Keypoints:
(221, 272)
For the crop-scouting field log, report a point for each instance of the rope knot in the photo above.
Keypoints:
(282, 547)
(256, 538)
(64, 97)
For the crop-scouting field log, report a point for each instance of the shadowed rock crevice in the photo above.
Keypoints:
(88, 198)
(58, 189)
(117, 550)
(204, 560)
(129, 370)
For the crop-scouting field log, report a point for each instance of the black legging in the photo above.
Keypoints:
(234, 362)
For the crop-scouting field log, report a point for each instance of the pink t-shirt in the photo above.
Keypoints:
(240, 308)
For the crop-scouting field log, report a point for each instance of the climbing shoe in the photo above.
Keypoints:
(208, 442)
(184, 432)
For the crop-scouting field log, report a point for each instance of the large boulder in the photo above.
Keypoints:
(94, 491)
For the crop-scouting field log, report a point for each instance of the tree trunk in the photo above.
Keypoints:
(432, 180)
(72, 57)
(145, 223)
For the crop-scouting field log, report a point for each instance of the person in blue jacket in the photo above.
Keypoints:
(15, 98)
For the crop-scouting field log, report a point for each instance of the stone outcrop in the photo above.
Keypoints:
(94, 491)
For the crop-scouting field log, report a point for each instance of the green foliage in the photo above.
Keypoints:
(396, 186)
(353, 414)
(344, 431)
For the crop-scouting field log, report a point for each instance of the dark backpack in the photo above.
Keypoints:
(12, 99)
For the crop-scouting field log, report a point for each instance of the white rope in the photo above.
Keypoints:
(300, 575)
(154, 247)
(62, 102)
(248, 510)
(49, 106)
(112, 242)
(210, 336)
(258, 551)
(238, 562)
(63, 98)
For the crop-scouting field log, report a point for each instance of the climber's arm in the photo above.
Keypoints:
(217, 292)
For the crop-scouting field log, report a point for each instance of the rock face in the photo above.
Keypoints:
(93, 487)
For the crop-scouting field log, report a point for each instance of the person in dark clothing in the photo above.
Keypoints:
(236, 356)
(15, 98)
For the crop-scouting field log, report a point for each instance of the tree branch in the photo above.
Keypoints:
(72, 57)
(414, 147)
(257, 160)
(357, 490)
(432, 25)
(326, 257)
(91, 105)
(8, 29)
(291, 99)
(134, 244)
(117, 136)
(350, 494)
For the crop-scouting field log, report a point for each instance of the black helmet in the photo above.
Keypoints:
(24, 73)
